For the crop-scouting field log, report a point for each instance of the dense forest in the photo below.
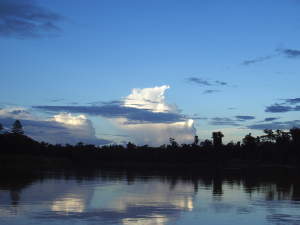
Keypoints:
(273, 148)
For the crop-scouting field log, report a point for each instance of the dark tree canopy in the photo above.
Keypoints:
(295, 133)
(279, 147)
(249, 141)
(17, 128)
(217, 138)
(196, 140)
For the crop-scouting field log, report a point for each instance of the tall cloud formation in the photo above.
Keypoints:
(143, 114)
(24, 18)
(153, 99)
(61, 128)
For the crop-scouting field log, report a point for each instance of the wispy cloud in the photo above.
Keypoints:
(244, 118)
(221, 121)
(133, 115)
(199, 81)
(207, 83)
(290, 53)
(236, 121)
(57, 100)
(275, 125)
(278, 108)
(210, 91)
(222, 83)
(269, 119)
(286, 52)
(292, 101)
(257, 60)
(25, 18)
(288, 105)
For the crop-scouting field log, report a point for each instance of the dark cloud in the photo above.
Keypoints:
(229, 121)
(221, 83)
(281, 108)
(288, 105)
(257, 60)
(210, 91)
(278, 108)
(203, 82)
(290, 53)
(275, 125)
(100, 103)
(133, 115)
(57, 100)
(198, 118)
(292, 101)
(268, 119)
(116, 135)
(199, 81)
(25, 18)
(221, 121)
(243, 118)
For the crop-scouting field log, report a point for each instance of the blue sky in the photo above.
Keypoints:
(219, 60)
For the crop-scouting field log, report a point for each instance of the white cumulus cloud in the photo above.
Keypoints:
(148, 98)
(155, 134)
(62, 128)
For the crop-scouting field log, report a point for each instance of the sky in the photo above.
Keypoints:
(109, 72)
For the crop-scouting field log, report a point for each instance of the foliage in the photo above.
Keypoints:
(17, 128)
(280, 147)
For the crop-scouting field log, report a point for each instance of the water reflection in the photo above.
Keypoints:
(150, 199)
(68, 204)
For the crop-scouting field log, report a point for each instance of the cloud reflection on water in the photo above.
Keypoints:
(151, 201)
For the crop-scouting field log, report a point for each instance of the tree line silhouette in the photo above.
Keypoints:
(273, 148)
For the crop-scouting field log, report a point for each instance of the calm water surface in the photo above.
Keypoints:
(148, 200)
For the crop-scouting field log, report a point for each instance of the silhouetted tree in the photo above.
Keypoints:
(79, 144)
(130, 145)
(1, 127)
(279, 147)
(230, 144)
(249, 141)
(269, 137)
(173, 143)
(206, 143)
(217, 138)
(196, 140)
(282, 137)
(295, 133)
(17, 128)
